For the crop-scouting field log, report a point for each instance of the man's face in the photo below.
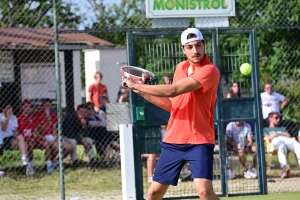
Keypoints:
(26, 108)
(268, 88)
(194, 51)
(47, 106)
(275, 119)
(81, 112)
(7, 109)
(239, 124)
(90, 110)
(97, 78)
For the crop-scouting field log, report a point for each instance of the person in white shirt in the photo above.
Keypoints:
(272, 101)
(239, 138)
(10, 136)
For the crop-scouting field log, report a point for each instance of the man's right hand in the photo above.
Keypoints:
(85, 143)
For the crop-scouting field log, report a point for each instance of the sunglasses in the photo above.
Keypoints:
(276, 117)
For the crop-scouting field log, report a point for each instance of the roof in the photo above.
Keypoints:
(44, 37)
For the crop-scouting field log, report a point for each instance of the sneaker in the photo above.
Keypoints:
(55, 165)
(49, 170)
(24, 162)
(1, 173)
(230, 175)
(30, 171)
(247, 174)
(253, 173)
(186, 173)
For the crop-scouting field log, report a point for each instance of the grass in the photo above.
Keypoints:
(106, 183)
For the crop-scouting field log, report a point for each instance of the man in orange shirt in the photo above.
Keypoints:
(190, 136)
(96, 91)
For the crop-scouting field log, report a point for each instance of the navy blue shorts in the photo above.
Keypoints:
(174, 156)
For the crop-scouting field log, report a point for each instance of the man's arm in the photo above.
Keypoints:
(283, 104)
(183, 86)
(89, 97)
(229, 141)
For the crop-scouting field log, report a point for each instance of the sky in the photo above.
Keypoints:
(86, 10)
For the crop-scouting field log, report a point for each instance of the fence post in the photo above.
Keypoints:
(58, 101)
(127, 162)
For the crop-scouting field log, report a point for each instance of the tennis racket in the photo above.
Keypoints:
(136, 74)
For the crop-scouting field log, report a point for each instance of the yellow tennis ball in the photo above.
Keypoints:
(246, 69)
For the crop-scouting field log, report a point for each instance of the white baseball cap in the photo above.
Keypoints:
(185, 33)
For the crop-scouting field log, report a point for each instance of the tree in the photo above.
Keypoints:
(36, 14)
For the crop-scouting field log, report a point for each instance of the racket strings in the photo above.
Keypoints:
(138, 72)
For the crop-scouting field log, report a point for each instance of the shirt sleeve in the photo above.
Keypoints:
(266, 132)
(90, 89)
(208, 76)
(280, 97)
(229, 130)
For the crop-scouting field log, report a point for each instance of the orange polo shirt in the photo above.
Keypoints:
(192, 120)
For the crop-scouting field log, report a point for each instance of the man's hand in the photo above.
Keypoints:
(85, 143)
(128, 82)
(285, 134)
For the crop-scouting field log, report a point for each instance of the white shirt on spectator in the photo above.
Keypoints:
(11, 127)
(233, 131)
(270, 103)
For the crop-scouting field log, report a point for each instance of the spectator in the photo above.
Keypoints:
(104, 141)
(235, 91)
(27, 125)
(97, 90)
(103, 101)
(11, 138)
(124, 96)
(75, 132)
(272, 101)
(239, 139)
(47, 133)
(281, 140)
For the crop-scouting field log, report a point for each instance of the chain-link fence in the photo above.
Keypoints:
(92, 38)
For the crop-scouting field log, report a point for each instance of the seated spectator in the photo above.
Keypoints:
(104, 141)
(103, 100)
(235, 91)
(281, 140)
(239, 139)
(27, 126)
(75, 131)
(46, 132)
(10, 136)
(124, 96)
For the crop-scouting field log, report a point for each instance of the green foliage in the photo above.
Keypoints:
(36, 14)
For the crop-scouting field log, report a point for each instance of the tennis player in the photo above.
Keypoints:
(190, 136)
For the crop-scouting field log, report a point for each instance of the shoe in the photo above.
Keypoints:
(247, 174)
(253, 173)
(76, 164)
(94, 163)
(186, 173)
(230, 175)
(24, 162)
(1, 173)
(49, 170)
(284, 175)
(55, 165)
(30, 171)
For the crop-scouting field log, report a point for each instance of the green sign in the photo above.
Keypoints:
(189, 8)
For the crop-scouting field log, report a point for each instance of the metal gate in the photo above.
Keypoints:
(160, 52)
